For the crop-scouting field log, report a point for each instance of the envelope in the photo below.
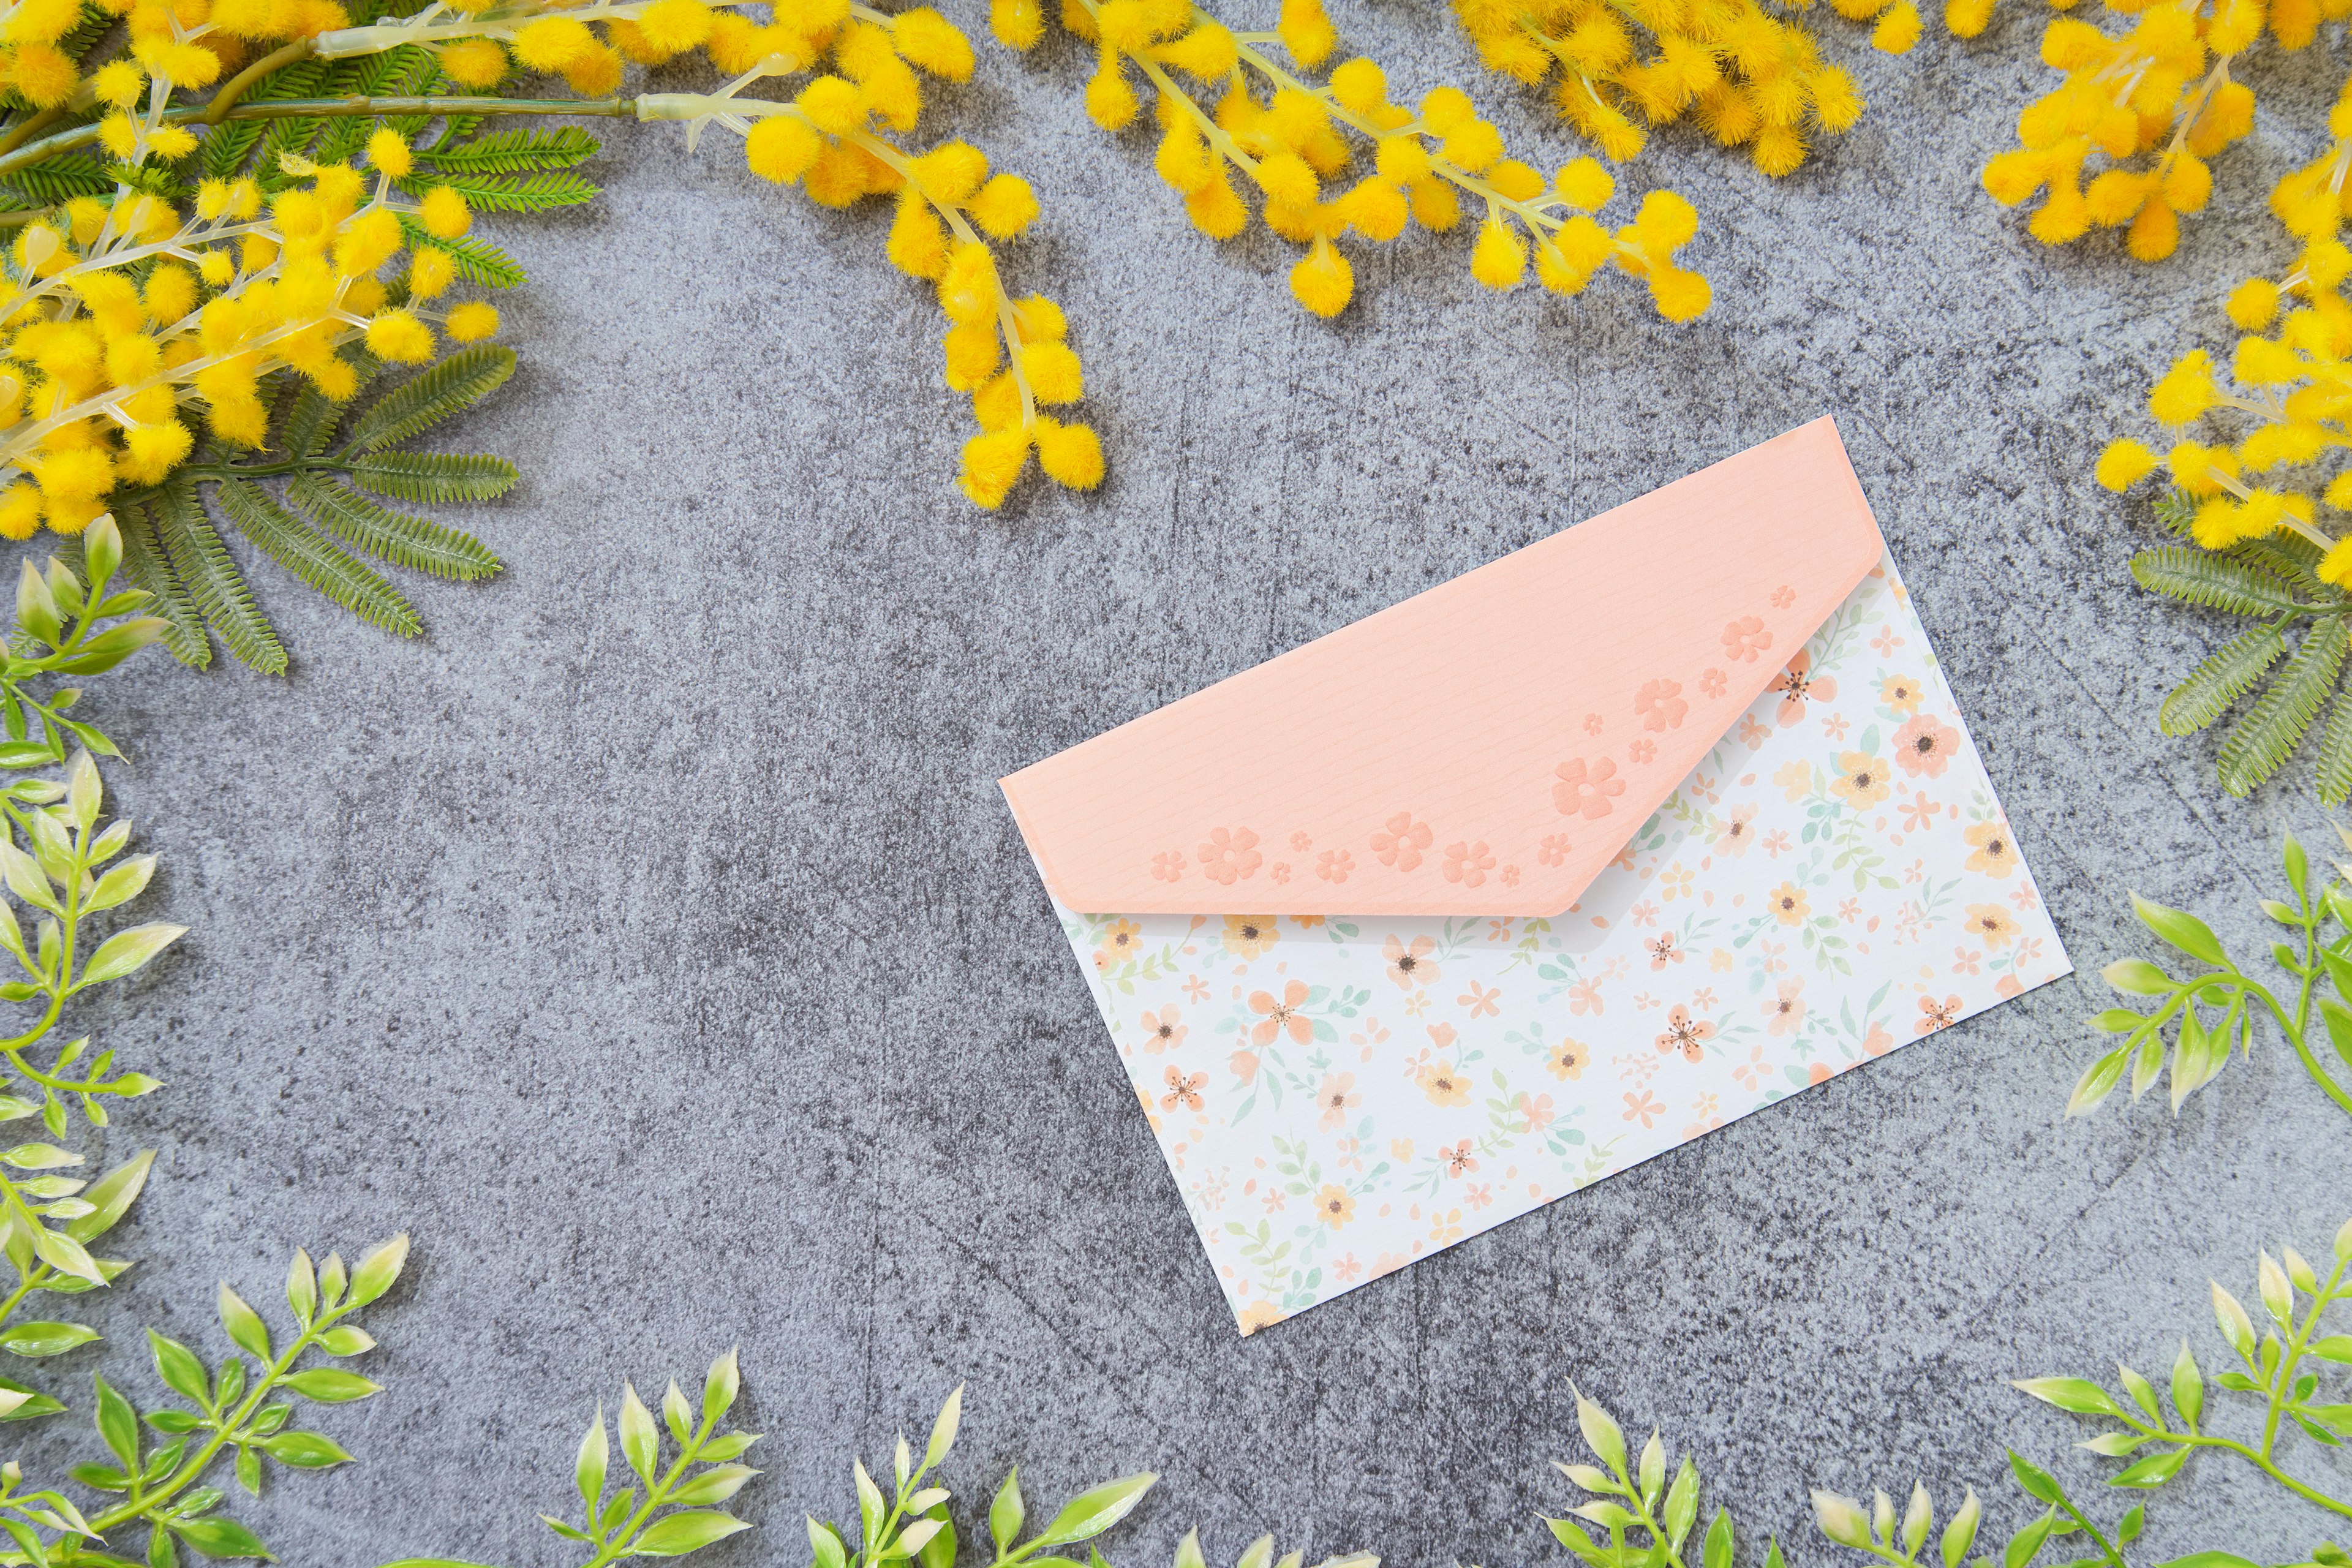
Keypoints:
(1542, 872)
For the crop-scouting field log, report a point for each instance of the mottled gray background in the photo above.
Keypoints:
(652, 941)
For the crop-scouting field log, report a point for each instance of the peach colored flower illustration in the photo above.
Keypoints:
(1243, 1065)
(1663, 952)
(1301, 843)
(1410, 966)
(1798, 683)
(1468, 863)
(1534, 1111)
(1996, 856)
(1783, 596)
(1457, 1159)
(1482, 1002)
(1862, 779)
(1593, 724)
(1184, 1092)
(1878, 1042)
(1785, 1013)
(1338, 1097)
(1686, 1034)
(1567, 1059)
(1585, 996)
(1230, 854)
(1333, 1206)
(1752, 735)
(1752, 1072)
(1443, 1085)
(1739, 833)
(1643, 752)
(1333, 865)
(1163, 1031)
(1586, 788)
(1744, 638)
(1644, 1107)
(1281, 872)
(1992, 925)
(1788, 904)
(1403, 842)
(1934, 1015)
(1277, 1017)
(1553, 850)
(1918, 812)
(1168, 865)
(1925, 746)
(1248, 936)
(1795, 779)
(1713, 683)
(1510, 876)
(1900, 694)
(1258, 1315)
(1660, 706)
(1122, 941)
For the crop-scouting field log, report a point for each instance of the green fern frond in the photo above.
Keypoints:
(299, 548)
(416, 542)
(543, 191)
(425, 479)
(213, 581)
(404, 72)
(96, 22)
(2336, 754)
(2176, 508)
(61, 179)
(475, 260)
(308, 427)
(155, 179)
(432, 395)
(2227, 674)
(144, 566)
(514, 152)
(2200, 577)
(2287, 555)
(227, 145)
(2268, 735)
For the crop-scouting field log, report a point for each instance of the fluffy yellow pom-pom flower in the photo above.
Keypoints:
(929, 41)
(473, 320)
(2254, 304)
(552, 43)
(2186, 391)
(781, 148)
(992, 461)
(443, 213)
(1499, 259)
(388, 150)
(2123, 464)
(399, 336)
(1004, 207)
(676, 25)
(475, 62)
(431, 270)
(1323, 281)
(1071, 454)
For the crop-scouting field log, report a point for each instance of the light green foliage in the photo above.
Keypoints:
(2275, 583)
(1633, 1495)
(1259, 1553)
(331, 459)
(2319, 958)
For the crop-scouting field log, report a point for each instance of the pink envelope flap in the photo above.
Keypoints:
(1483, 748)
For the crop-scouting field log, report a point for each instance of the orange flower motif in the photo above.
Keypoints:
(1258, 1315)
(1660, 706)
(1481, 1002)
(1663, 952)
(1301, 843)
(1992, 925)
(1878, 1042)
(1862, 779)
(1333, 865)
(1276, 1017)
(1230, 855)
(1457, 1159)
(1184, 1092)
(1786, 1012)
(1643, 751)
(1162, 1031)
(1643, 1108)
(1168, 866)
(1925, 746)
(1798, 682)
(1468, 863)
(1243, 1065)
(1783, 596)
(1738, 834)
(1553, 850)
(1443, 1085)
(1333, 1206)
(1403, 842)
(1248, 936)
(1586, 788)
(1567, 1059)
(1788, 904)
(1120, 943)
(1996, 855)
(1934, 1015)
(1686, 1034)
(1900, 694)
(1713, 683)
(1744, 638)
(1409, 966)
(1338, 1097)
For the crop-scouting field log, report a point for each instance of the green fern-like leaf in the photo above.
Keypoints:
(416, 542)
(404, 72)
(425, 399)
(61, 179)
(2176, 509)
(425, 479)
(531, 192)
(146, 566)
(2198, 577)
(514, 152)
(213, 581)
(2291, 556)
(297, 546)
(2264, 739)
(2336, 754)
(475, 260)
(2227, 674)
(228, 146)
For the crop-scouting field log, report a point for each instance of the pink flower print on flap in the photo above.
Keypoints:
(1744, 638)
(1468, 863)
(1403, 842)
(1798, 683)
(1230, 855)
(1585, 788)
(1660, 706)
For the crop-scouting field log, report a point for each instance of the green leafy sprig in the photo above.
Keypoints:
(2321, 955)
(2278, 1362)
(1634, 1495)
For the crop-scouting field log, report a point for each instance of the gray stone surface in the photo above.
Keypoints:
(651, 939)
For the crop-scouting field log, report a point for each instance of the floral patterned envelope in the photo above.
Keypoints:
(1340, 1090)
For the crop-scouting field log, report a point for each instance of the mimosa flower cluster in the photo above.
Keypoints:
(1290, 139)
(864, 70)
(126, 317)
(2151, 104)
(1746, 78)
